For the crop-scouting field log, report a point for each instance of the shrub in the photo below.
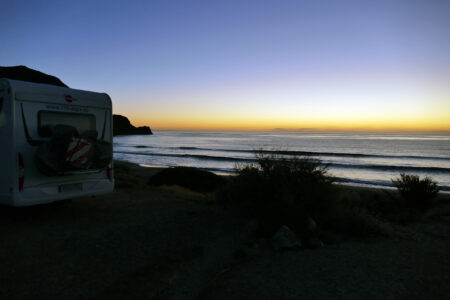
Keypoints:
(417, 193)
(191, 178)
(281, 190)
(290, 190)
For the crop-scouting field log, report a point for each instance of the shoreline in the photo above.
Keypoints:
(155, 169)
(356, 160)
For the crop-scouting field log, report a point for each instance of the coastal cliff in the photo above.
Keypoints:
(122, 126)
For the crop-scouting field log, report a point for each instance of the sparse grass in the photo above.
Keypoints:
(185, 193)
(351, 217)
(438, 213)
(417, 193)
(122, 175)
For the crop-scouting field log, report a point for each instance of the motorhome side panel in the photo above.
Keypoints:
(7, 159)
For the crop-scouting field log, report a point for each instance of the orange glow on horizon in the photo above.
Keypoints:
(436, 125)
(382, 107)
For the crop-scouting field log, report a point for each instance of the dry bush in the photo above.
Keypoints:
(417, 193)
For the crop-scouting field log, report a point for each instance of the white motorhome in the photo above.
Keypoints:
(28, 112)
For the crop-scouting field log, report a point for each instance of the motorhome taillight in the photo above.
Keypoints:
(109, 173)
(21, 171)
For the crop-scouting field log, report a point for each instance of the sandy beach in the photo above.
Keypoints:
(168, 242)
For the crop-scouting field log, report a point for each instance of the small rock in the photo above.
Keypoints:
(285, 238)
(311, 224)
(258, 244)
(251, 227)
(314, 243)
(246, 252)
(249, 251)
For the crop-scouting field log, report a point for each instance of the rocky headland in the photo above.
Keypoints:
(123, 126)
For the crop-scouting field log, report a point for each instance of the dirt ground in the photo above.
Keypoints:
(167, 243)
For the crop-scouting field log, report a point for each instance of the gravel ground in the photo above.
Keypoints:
(388, 269)
(166, 243)
(128, 243)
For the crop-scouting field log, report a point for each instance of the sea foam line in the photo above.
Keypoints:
(303, 153)
(332, 165)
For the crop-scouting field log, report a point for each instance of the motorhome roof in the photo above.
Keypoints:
(29, 91)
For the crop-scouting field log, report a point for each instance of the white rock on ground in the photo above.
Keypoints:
(285, 238)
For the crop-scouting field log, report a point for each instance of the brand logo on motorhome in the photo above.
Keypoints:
(67, 108)
(69, 98)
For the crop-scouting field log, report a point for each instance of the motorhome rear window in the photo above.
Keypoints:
(49, 119)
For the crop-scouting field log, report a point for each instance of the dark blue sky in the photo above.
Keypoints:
(283, 63)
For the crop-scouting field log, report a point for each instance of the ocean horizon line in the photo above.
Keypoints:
(318, 131)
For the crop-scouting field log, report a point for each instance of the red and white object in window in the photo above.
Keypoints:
(78, 151)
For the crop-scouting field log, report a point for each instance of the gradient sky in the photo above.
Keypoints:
(246, 65)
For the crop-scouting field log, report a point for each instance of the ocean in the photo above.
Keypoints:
(355, 159)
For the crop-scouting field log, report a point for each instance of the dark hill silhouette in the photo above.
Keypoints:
(122, 126)
(26, 74)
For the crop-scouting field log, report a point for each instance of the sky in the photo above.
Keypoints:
(352, 66)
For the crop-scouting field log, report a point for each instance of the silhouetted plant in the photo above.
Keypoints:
(281, 190)
(416, 192)
(290, 190)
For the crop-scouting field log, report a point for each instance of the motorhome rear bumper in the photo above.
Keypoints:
(51, 193)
